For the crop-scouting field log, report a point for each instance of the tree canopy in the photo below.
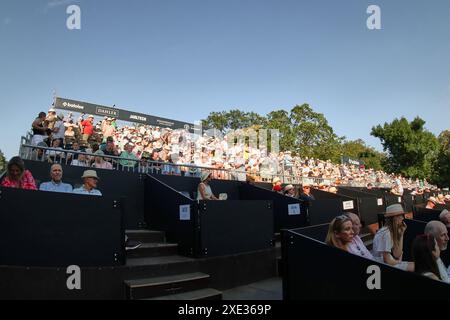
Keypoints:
(411, 148)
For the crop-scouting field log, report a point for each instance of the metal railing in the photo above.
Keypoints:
(63, 156)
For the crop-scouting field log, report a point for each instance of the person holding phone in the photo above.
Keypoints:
(388, 242)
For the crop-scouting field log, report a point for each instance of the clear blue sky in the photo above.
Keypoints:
(183, 59)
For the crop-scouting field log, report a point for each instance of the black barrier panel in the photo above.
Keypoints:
(323, 211)
(369, 205)
(112, 183)
(229, 227)
(313, 270)
(163, 212)
(58, 230)
(348, 204)
(190, 185)
(283, 217)
(420, 213)
(264, 185)
(393, 199)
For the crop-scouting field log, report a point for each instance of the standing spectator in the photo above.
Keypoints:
(425, 253)
(17, 176)
(388, 242)
(51, 119)
(59, 130)
(90, 181)
(69, 135)
(88, 128)
(108, 129)
(56, 184)
(39, 129)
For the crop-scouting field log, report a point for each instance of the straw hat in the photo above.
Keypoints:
(432, 199)
(205, 175)
(90, 174)
(394, 210)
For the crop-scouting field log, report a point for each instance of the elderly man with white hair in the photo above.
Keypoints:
(445, 217)
(439, 231)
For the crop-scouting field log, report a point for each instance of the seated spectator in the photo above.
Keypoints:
(39, 153)
(81, 161)
(17, 176)
(144, 166)
(56, 184)
(128, 156)
(445, 218)
(440, 233)
(425, 253)
(289, 191)
(90, 181)
(276, 184)
(56, 155)
(340, 233)
(204, 189)
(440, 199)
(171, 168)
(306, 194)
(100, 163)
(388, 242)
(431, 203)
(357, 246)
(333, 190)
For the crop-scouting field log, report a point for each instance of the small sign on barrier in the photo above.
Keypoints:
(348, 205)
(185, 212)
(380, 201)
(294, 209)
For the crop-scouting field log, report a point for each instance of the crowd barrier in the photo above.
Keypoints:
(40, 229)
(314, 270)
(208, 228)
(115, 184)
(369, 205)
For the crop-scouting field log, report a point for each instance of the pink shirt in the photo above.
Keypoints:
(105, 165)
(358, 248)
(27, 182)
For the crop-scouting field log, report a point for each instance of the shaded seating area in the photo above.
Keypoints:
(207, 228)
(67, 230)
(314, 270)
(127, 186)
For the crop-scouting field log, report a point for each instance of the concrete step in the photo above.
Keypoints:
(153, 250)
(202, 294)
(143, 235)
(167, 285)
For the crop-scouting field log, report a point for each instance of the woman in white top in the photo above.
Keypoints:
(388, 242)
(204, 191)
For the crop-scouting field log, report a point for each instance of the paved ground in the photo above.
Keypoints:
(270, 289)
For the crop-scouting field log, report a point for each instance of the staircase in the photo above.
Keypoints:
(180, 281)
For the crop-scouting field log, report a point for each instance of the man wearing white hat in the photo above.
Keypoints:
(59, 130)
(90, 181)
(51, 118)
(431, 203)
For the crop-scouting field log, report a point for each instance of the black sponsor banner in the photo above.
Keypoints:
(124, 115)
(348, 160)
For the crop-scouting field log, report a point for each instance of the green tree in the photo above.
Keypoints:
(2, 162)
(357, 149)
(233, 120)
(314, 137)
(411, 148)
(279, 120)
(442, 164)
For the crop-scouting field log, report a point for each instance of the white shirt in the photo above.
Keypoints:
(62, 130)
(443, 271)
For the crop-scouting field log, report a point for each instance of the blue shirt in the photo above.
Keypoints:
(83, 191)
(56, 187)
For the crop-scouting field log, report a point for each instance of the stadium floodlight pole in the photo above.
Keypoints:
(54, 97)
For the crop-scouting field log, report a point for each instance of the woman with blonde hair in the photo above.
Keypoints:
(340, 233)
